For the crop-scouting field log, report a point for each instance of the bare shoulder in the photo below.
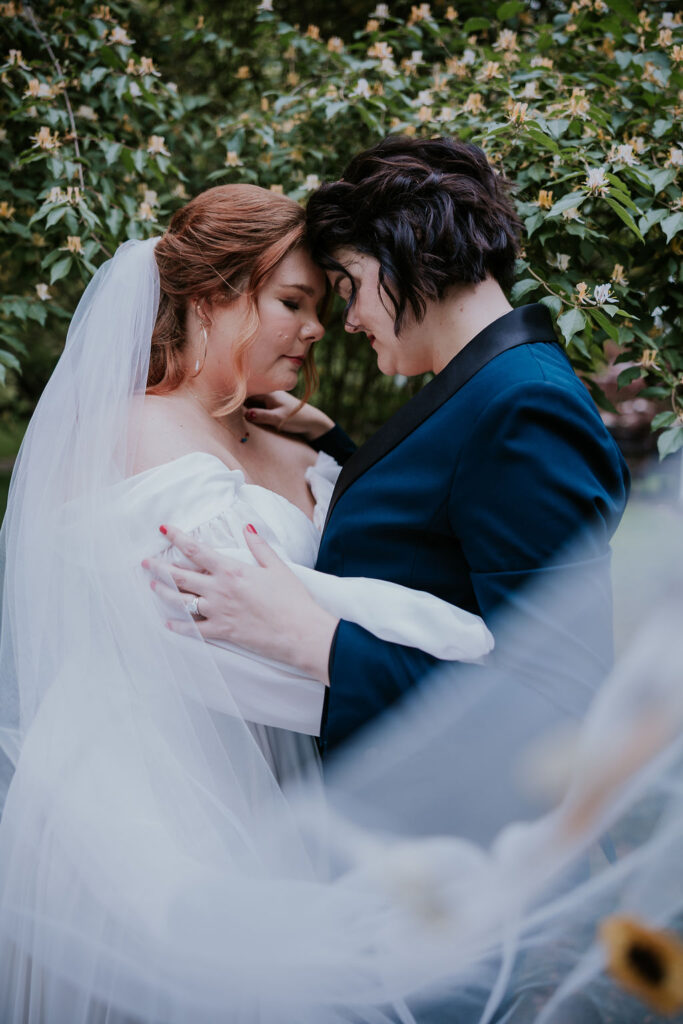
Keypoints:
(291, 450)
(163, 433)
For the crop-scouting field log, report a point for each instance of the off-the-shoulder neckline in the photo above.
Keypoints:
(238, 474)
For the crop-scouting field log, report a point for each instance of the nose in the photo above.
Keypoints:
(313, 331)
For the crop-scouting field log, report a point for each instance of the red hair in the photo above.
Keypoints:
(224, 244)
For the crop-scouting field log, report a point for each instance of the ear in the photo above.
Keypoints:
(201, 308)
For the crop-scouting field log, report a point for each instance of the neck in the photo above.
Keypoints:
(210, 403)
(463, 313)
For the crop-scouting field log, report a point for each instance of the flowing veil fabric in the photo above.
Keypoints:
(151, 868)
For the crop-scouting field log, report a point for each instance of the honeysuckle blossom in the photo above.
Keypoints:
(421, 12)
(232, 159)
(45, 139)
(6, 210)
(380, 51)
(579, 105)
(474, 104)
(518, 113)
(156, 145)
(507, 40)
(292, 78)
(179, 191)
(147, 67)
(677, 54)
(541, 62)
(618, 276)
(313, 32)
(150, 196)
(665, 37)
(39, 90)
(451, 14)
(102, 12)
(424, 97)
(596, 183)
(43, 292)
(623, 155)
(380, 11)
(675, 157)
(425, 114)
(582, 292)
(545, 199)
(118, 35)
(559, 260)
(670, 20)
(16, 58)
(335, 44)
(74, 244)
(145, 212)
(265, 5)
(278, 189)
(446, 114)
(243, 72)
(602, 293)
(372, 25)
(653, 74)
(637, 143)
(490, 70)
(362, 89)
(86, 112)
(312, 182)
(469, 56)
(457, 67)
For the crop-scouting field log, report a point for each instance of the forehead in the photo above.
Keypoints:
(297, 267)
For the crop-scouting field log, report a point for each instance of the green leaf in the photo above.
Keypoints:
(660, 179)
(60, 269)
(609, 328)
(661, 127)
(557, 126)
(111, 152)
(545, 140)
(509, 9)
(8, 359)
(521, 288)
(670, 441)
(475, 25)
(567, 202)
(663, 419)
(55, 215)
(571, 323)
(672, 225)
(553, 302)
(625, 216)
(628, 375)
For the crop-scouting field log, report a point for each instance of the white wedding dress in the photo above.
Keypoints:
(213, 503)
(167, 855)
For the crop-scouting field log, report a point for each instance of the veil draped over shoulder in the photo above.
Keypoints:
(152, 870)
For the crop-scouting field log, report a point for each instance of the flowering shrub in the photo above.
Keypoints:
(581, 107)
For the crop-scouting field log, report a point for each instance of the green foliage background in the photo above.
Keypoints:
(113, 115)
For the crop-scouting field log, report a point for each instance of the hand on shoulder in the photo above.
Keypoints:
(285, 413)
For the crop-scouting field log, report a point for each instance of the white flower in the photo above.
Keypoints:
(596, 182)
(362, 89)
(559, 260)
(380, 11)
(602, 293)
(623, 155)
(145, 212)
(156, 144)
(151, 197)
(120, 36)
(87, 113)
(530, 91)
(424, 98)
(571, 214)
(675, 158)
(43, 292)
(312, 182)
(469, 56)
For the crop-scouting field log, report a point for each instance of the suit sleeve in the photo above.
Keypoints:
(538, 469)
(335, 442)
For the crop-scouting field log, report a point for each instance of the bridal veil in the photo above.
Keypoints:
(152, 869)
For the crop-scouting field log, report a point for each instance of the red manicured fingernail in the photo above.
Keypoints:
(163, 530)
(145, 564)
(251, 529)
(250, 414)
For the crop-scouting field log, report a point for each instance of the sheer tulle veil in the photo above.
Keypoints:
(152, 869)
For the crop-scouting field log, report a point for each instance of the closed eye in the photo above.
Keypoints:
(290, 304)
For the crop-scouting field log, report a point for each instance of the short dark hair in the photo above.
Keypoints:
(432, 212)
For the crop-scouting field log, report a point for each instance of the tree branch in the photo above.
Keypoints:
(57, 66)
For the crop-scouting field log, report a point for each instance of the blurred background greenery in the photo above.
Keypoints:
(114, 114)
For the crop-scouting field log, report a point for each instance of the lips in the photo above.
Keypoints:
(299, 360)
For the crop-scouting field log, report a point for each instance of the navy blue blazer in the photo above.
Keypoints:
(469, 491)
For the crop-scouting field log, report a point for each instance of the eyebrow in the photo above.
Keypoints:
(302, 287)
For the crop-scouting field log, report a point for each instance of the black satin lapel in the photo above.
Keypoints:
(520, 326)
